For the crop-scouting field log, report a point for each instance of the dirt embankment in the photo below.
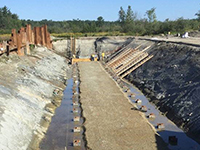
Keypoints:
(171, 79)
(26, 86)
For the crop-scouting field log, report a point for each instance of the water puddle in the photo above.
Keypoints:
(170, 129)
(65, 132)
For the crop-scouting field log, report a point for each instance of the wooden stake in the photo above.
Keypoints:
(19, 45)
(27, 48)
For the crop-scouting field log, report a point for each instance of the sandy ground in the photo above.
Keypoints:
(110, 123)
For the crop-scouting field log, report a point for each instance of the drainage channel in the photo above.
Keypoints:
(169, 132)
(66, 130)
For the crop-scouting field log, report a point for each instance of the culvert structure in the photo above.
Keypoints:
(107, 115)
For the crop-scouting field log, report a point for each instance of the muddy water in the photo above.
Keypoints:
(60, 134)
(184, 142)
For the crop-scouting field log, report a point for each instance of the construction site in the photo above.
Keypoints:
(137, 93)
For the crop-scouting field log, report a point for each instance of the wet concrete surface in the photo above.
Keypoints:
(60, 134)
(184, 142)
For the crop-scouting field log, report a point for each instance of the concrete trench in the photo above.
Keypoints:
(66, 130)
(165, 135)
(184, 142)
(40, 129)
(51, 108)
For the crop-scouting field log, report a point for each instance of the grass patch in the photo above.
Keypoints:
(4, 37)
(68, 35)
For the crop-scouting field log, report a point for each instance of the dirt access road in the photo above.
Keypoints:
(110, 123)
(193, 41)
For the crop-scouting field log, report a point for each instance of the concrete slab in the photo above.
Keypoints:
(110, 123)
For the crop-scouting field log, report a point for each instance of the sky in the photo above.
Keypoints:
(59, 10)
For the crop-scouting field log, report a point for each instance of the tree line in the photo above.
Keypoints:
(128, 23)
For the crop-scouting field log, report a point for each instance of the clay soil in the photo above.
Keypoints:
(109, 121)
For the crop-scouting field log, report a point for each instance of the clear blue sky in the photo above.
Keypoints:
(59, 10)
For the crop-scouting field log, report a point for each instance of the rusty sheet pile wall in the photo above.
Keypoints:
(21, 40)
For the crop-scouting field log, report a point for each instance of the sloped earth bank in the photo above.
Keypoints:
(30, 90)
(171, 80)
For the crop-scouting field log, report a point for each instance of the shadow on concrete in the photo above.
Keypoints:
(171, 140)
(161, 145)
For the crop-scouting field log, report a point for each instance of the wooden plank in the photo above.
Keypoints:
(29, 33)
(27, 48)
(118, 57)
(138, 65)
(19, 45)
(20, 41)
(42, 36)
(121, 50)
(37, 35)
(118, 52)
(121, 55)
(13, 38)
(74, 60)
(124, 60)
(23, 35)
(33, 37)
(45, 34)
(49, 44)
(127, 63)
(74, 43)
(132, 63)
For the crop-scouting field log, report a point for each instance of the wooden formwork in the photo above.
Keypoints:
(137, 65)
(128, 60)
(122, 54)
(75, 60)
(131, 63)
(123, 59)
(26, 36)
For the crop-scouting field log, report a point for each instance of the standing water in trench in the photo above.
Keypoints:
(61, 134)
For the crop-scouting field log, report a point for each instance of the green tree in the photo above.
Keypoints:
(129, 15)
(8, 20)
(198, 15)
(100, 21)
(152, 25)
(151, 15)
(122, 15)
(181, 25)
(130, 22)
